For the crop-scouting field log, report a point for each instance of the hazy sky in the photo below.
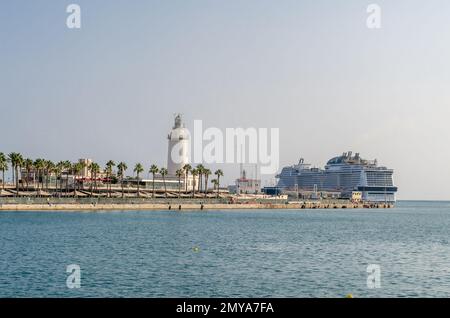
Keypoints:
(311, 68)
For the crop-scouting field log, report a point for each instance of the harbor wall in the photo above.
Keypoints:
(76, 204)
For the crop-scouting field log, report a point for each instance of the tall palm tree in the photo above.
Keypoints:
(16, 161)
(187, 168)
(49, 168)
(3, 167)
(68, 169)
(28, 167)
(194, 173)
(138, 169)
(179, 173)
(218, 173)
(164, 173)
(200, 169)
(122, 167)
(109, 170)
(12, 158)
(215, 183)
(206, 173)
(77, 169)
(153, 170)
(19, 164)
(95, 168)
(38, 166)
(59, 169)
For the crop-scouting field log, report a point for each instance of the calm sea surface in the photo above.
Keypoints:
(228, 253)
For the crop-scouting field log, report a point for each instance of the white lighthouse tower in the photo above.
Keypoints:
(179, 145)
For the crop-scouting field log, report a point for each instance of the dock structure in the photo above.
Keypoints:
(66, 204)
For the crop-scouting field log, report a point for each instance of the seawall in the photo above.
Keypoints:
(72, 204)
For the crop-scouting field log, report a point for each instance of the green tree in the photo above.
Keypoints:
(19, 164)
(28, 167)
(95, 169)
(187, 168)
(39, 167)
(3, 167)
(59, 170)
(164, 173)
(194, 173)
(218, 173)
(138, 168)
(122, 167)
(153, 170)
(214, 182)
(77, 169)
(49, 168)
(179, 173)
(12, 158)
(68, 170)
(206, 173)
(16, 160)
(109, 171)
(200, 169)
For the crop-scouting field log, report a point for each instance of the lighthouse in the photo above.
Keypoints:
(179, 145)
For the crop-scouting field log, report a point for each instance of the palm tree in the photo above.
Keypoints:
(200, 169)
(109, 170)
(218, 173)
(68, 168)
(59, 170)
(164, 173)
(38, 166)
(3, 167)
(122, 167)
(187, 168)
(179, 173)
(95, 168)
(49, 167)
(28, 167)
(215, 183)
(19, 164)
(138, 169)
(206, 173)
(194, 174)
(77, 168)
(12, 158)
(16, 161)
(153, 170)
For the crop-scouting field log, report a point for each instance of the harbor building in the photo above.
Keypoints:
(245, 185)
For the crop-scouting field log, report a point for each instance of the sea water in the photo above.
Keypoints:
(260, 253)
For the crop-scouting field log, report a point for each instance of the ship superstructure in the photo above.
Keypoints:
(346, 174)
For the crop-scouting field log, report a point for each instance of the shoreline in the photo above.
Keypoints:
(189, 206)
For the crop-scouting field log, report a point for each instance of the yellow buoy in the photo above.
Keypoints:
(349, 296)
(195, 249)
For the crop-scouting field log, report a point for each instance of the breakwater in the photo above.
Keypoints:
(80, 204)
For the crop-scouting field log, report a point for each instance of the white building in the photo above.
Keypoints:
(179, 145)
(245, 185)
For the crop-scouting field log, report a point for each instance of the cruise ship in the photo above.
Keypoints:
(345, 174)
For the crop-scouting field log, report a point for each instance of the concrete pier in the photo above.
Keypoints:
(184, 205)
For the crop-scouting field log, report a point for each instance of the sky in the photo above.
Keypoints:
(313, 69)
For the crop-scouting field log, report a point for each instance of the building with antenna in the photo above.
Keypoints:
(245, 185)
